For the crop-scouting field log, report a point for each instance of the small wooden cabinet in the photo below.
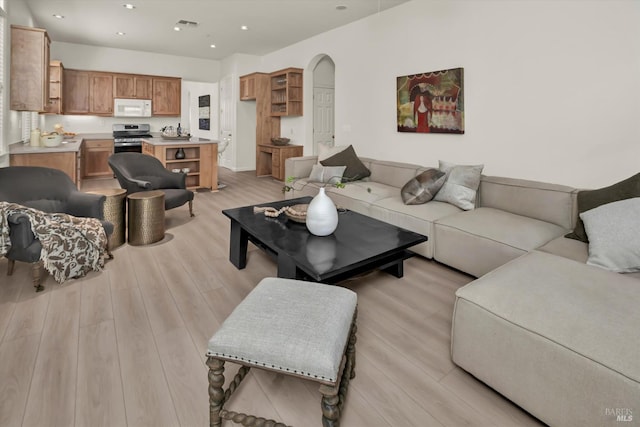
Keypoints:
(286, 92)
(75, 92)
(271, 159)
(201, 159)
(251, 85)
(95, 155)
(166, 96)
(55, 88)
(132, 86)
(29, 80)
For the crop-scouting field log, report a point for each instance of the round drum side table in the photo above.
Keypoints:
(146, 217)
(114, 212)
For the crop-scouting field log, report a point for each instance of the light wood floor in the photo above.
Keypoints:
(125, 347)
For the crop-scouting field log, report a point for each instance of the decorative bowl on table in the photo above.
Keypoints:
(297, 213)
(280, 141)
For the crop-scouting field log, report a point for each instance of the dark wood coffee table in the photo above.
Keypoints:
(359, 244)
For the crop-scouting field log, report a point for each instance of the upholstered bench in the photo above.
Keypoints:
(290, 327)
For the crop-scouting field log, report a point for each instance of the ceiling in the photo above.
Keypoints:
(273, 24)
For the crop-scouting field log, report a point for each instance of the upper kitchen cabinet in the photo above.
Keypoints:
(132, 86)
(286, 92)
(166, 96)
(29, 83)
(101, 93)
(250, 86)
(75, 93)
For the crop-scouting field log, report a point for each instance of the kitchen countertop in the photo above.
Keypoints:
(68, 145)
(193, 140)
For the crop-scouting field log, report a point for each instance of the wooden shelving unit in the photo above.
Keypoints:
(286, 92)
(201, 159)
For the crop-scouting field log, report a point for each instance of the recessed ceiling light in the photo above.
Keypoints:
(128, 6)
(177, 28)
(244, 28)
(213, 46)
(341, 7)
(120, 33)
(58, 16)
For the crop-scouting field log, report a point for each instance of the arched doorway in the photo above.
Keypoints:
(323, 103)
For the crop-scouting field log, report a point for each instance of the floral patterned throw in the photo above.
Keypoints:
(71, 246)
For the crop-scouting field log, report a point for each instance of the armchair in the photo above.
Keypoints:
(140, 172)
(48, 190)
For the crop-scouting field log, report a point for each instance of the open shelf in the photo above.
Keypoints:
(286, 92)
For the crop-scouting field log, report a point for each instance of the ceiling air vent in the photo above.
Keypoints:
(187, 24)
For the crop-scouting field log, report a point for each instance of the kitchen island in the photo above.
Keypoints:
(66, 157)
(198, 155)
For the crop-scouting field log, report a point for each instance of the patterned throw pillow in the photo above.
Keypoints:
(421, 188)
(461, 185)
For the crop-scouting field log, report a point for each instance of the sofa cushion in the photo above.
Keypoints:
(395, 174)
(614, 235)
(568, 248)
(552, 203)
(557, 337)
(489, 238)
(355, 168)
(421, 188)
(461, 184)
(360, 192)
(589, 199)
(417, 218)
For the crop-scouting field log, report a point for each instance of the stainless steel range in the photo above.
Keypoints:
(129, 137)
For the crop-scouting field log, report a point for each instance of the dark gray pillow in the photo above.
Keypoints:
(355, 168)
(590, 199)
(421, 188)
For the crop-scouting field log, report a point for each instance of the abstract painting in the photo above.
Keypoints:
(204, 112)
(431, 102)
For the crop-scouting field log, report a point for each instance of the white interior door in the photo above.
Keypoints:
(227, 122)
(323, 116)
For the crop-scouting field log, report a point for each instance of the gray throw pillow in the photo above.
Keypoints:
(589, 199)
(461, 185)
(327, 174)
(613, 230)
(355, 168)
(421, 188)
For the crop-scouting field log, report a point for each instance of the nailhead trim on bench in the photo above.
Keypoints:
(279, 368)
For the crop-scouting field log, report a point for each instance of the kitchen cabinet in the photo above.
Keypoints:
(132, 86)
(95, 156)
(68, 162)
(286, 92)
(55, 88)
(29, 70)
(271, 158)
(75, 92)
(200, 158)
(251, 85)
(101, 93)
(166, 99)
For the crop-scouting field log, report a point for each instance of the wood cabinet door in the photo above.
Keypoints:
(166, 96)
(29, 72)
(95, 158)
(143, 86)
(101, 93)
(124, 86)
(75, 98)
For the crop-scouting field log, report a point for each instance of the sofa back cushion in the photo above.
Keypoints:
(539, 200)
(394, 174)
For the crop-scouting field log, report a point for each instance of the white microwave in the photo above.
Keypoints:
(131, 107)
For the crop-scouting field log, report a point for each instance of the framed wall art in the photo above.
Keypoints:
(204, 112)
(431, 102)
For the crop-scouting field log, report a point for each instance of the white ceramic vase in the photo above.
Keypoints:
(322, 215)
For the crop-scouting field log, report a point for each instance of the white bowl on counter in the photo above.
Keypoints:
(51, 140)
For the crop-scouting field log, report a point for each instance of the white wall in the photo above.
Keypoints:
(190, 109)
(551, 87)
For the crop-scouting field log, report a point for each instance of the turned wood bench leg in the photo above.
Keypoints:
(216, 392)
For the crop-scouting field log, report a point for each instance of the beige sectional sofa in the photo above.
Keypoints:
(553, 334)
